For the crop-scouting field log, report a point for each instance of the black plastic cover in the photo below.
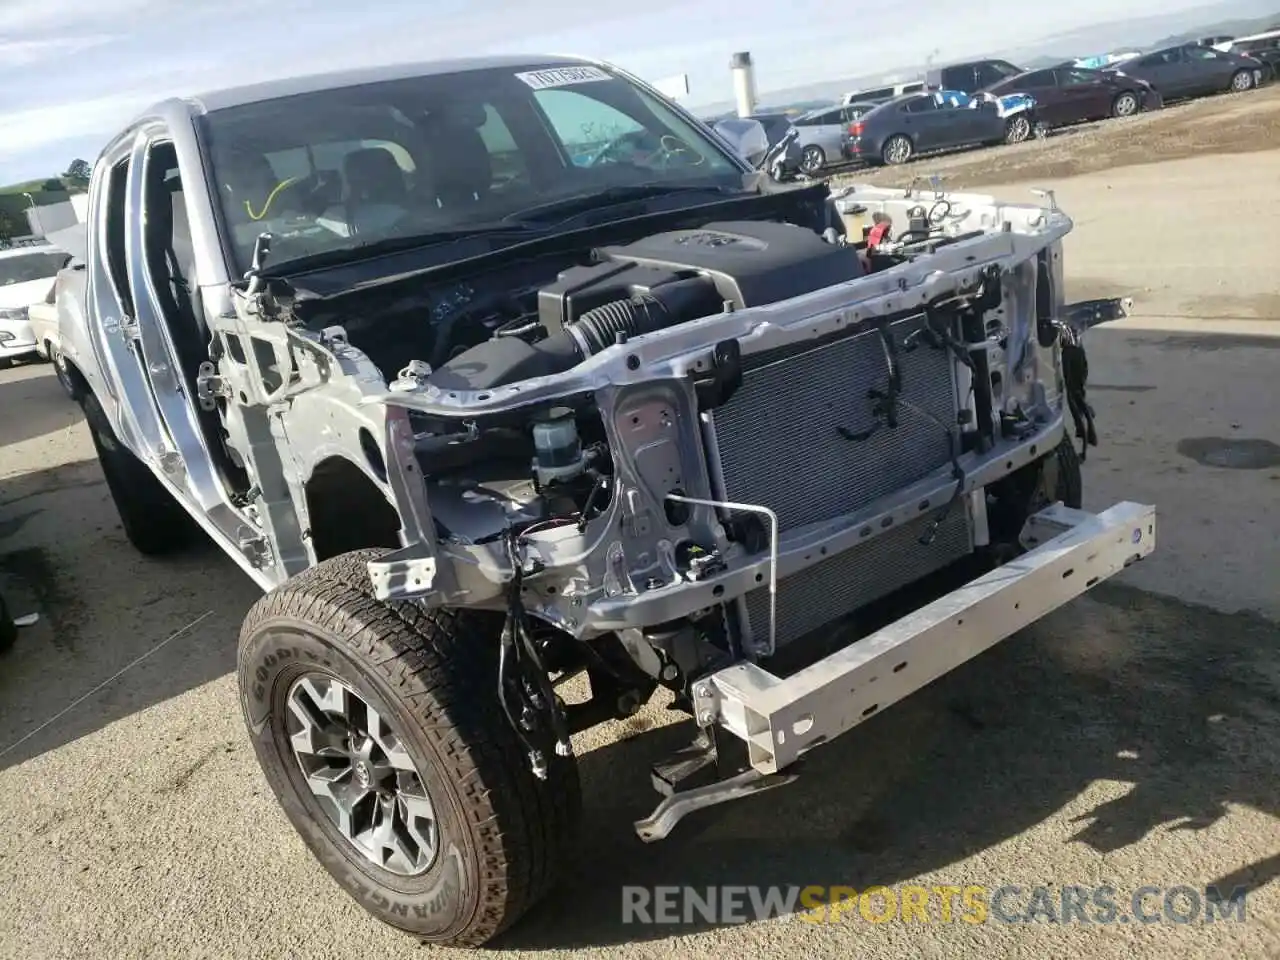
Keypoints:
(751, 262)
(580, 289)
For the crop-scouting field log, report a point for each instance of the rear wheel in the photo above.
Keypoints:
(153, 520)
(898, 149)
(1124, 105)
(813, 159)
(1017, 129)
(380, 730)
(1241, 81)
(60, 371)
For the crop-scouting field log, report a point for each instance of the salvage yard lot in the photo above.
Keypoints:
(1234, 123)
(1131, 739)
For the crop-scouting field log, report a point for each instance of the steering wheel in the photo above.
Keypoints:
(670, 147)
(661, 157)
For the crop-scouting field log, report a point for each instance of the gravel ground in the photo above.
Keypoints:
(1234, 123)
(1130, 739)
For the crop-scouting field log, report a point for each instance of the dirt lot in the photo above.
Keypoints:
(1238, 123)
(1131, 739)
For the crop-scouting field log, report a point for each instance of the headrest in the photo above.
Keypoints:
(373, 173)
(461, 168)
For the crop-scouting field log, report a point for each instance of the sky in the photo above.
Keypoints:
(72, 73)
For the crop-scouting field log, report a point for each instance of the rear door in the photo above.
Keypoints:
(918, 119)
(1041, 84)
(1209, 70)
(1160, 69)
(823, 130)
(1084, 94)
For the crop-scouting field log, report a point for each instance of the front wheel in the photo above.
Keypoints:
(1241, 81)
(813, 159)
(897, 149)
(380, 730)
(1055, 477)
(1017, 129)
(1124, 105)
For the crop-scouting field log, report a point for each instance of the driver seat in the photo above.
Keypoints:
(376, 189)
(461, 168)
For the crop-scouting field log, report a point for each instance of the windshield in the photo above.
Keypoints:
(26, 267)
(351, 166)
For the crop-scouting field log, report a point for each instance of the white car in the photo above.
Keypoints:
(27, 276)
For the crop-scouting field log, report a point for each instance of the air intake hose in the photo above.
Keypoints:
(663, 306)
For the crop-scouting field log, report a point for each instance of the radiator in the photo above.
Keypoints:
(781, 442)
(780, 439)
(839, 585)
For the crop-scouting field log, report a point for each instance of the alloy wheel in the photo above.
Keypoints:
(812, 159)
(1019, 129)
(1126, 105)
(361, 776)
(1242, 81)
(898, 149)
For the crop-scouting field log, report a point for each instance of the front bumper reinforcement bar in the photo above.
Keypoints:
(1069, 551)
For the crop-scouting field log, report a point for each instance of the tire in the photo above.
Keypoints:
(64, 378)
(153, 520)
(813, 159)
(1017, 129)
(1011, 500)
(503, 834)
(1125, 104)
(8, 629)
(1241, 81)
(1061, 478)
(897, 150)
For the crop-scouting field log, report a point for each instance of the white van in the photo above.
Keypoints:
(880, 94)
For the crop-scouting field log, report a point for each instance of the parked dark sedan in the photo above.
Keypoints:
(1192, 70)
(1068, 94)
(896, 131)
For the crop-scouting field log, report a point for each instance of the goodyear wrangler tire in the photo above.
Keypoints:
(153, 520)
(378, 727)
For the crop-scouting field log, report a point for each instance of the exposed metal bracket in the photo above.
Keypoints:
(782, 718)
(402, 573)
(210, 386)
(674, 808)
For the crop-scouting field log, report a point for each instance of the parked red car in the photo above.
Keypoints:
(1067, 94)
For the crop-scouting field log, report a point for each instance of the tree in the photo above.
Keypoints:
(78, 173)
(53, 185)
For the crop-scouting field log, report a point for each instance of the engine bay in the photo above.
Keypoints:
(546, 467)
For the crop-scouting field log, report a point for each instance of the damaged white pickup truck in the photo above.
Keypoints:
(494, 373)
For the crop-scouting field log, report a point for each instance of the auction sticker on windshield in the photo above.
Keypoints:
(562, 77)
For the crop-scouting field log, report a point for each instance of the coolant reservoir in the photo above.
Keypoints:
(557, 449)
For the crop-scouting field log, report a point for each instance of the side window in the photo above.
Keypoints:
(1202, 53)
(912, 87)
(116, 193)
(877, 94)
(583, 123)
(1078, 76)
(920, 105)
(1154, 60)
